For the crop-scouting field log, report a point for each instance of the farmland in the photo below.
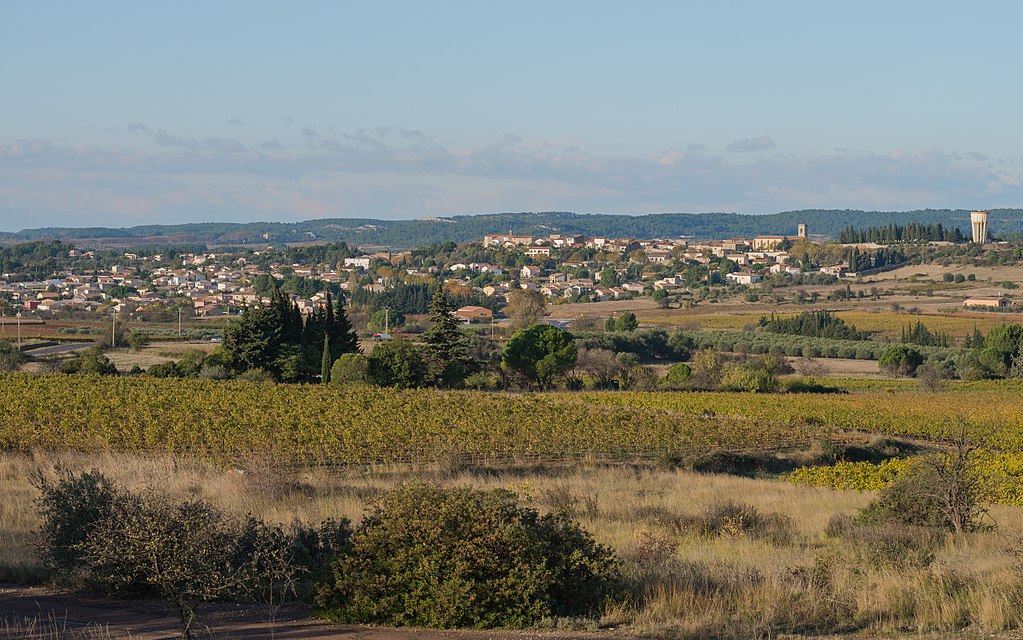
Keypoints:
(880, 323)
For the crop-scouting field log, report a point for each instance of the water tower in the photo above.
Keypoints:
(979, 221)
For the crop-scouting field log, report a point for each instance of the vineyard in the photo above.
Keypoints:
(992, 406)
(317, 424)
(227, 421)
(1003, 471)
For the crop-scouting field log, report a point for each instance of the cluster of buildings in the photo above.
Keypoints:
(213, 285)
(755, 257)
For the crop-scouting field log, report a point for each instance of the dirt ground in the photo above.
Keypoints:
(843, 368)
(43, 613)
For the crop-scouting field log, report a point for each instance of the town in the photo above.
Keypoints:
(157, 285)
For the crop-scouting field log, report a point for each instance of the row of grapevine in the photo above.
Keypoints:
(329, 424)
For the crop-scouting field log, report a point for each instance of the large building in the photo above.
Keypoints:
(978, 220)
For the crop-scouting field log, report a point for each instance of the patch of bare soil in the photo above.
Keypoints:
(44, 613)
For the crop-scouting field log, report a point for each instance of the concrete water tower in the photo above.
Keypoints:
(978, 219)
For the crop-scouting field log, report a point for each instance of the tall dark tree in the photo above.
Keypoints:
(447, 347)
(343, 338)
(254, 339)
(325, 360)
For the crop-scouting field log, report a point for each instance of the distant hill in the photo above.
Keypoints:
(409, 233)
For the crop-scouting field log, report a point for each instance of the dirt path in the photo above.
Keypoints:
(41, 612)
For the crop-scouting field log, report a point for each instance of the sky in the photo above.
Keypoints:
(129, 113)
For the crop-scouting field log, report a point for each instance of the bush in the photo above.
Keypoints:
(349, 368)
(737, 519)
(749, 378)
(397, 363)
(11, 357)
(943, 490)
(900, 360)
(678, 374)
(256, 375)
(908, 500)
(89, 361)
(71, 509)
(214, 372)
(434, 557)
(892, 545)
(184, 552)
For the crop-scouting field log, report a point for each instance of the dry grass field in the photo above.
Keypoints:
(788, 576)
(882, 322)
(935, 271)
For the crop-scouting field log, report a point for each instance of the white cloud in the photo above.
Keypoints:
(394, 172)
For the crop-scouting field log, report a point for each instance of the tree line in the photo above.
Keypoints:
(894, 233)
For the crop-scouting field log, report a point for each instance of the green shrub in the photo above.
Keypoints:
(349, 368)
(678, 374)
(11, 357)
(256, 375)
(864, 352)
(810, 351)
(749, 378)
(900, 360)
(90, 360)
(434, 557)
(71, 509)
(397, 363)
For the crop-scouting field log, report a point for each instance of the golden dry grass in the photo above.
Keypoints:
(732, 584)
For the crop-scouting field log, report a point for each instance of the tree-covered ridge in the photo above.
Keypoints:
(893, 233)
(463, 228)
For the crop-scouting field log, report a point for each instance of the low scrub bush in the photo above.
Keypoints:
(188, 552)
(434, 557)
(738, 519)
(889, 544)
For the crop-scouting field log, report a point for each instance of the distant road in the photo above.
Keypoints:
(59, 349)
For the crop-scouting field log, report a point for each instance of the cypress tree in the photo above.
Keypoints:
(325, 360)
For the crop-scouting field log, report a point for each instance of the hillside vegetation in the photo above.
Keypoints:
(407, 233)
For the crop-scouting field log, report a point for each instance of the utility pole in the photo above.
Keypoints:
(19, 328)
(113, 328)
(179, 323)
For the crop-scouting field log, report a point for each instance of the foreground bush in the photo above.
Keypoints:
(434, 557)
(186, 553)
(71, 509)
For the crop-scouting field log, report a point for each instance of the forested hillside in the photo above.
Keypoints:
(409, 233)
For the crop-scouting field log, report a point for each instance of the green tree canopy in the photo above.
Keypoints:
(447, 347)
(538, 353)
(397, 363)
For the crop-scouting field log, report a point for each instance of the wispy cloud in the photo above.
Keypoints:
(760, 143)
(396, 172)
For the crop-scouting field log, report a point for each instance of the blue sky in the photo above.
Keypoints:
(126, 113)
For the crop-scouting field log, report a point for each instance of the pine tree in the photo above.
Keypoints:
(447, 347)
(343, 338)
